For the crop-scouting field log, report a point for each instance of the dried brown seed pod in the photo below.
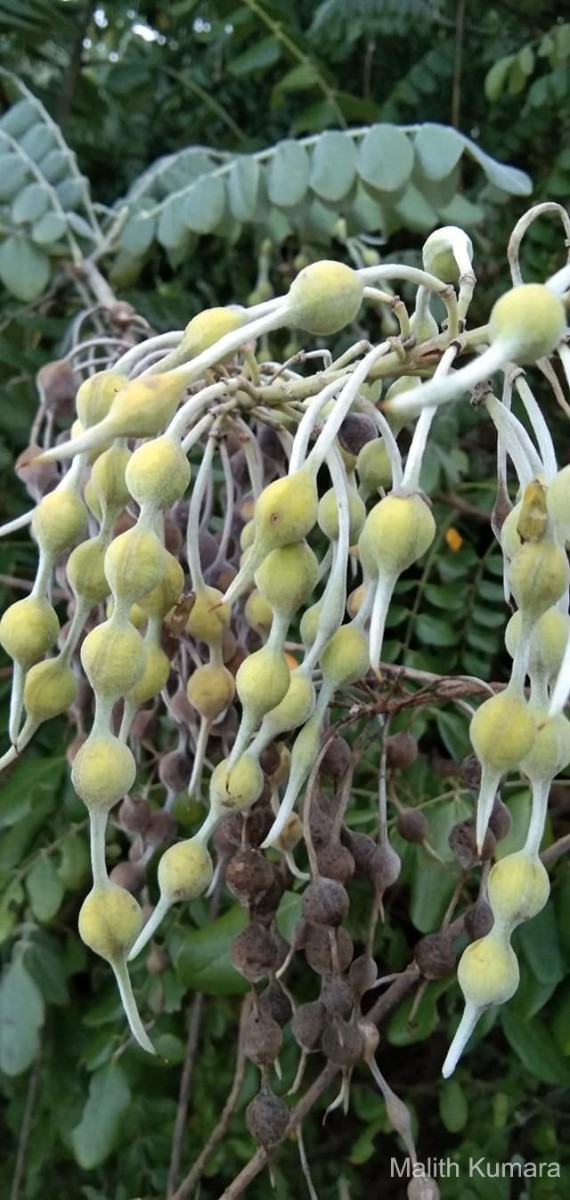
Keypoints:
(342, 1043)
(470, 773)
(478, 920)
(128, 875)
(320, 825)
(336, 995)
(262, 1039)
(276, 1004)
(500, 819)
(325, 902)
(308, 1024)
(269, 443)
(267, 1118)
(270, 759)
(336, 760)
(208, 548)
(362, 848)
(229, 645)
(463, 845)
(38, 478)
(362, 975)
(384, 868)
(57, 384)
(263, 906)
(435, 955)
(318, 952)
(356, 430)
(74, 747)
(134, 814)
(335, 861)
(257, 951)
(227, 725)
(144, 725)
(220, 575)
(173, 539)
(248, 873)
(401, 750)
(412, 825)
(160, 829)
(174, 770)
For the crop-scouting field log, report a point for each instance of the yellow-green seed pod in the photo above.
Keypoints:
(96, 395)
(518, 888)
(296, 706)
(328, 516)
(237, 789)
(28, 629)
(211, 690)
(355, 600)
(159, 601)
(49, 689)
(185, 871)
(488, 971)
(153, 678)
(502, 731)
(510, 539)
(309, 624)
(287, 577)
(538, 576)
(440, 253)
(547, 641)
(558, 503)
(134, 564)
(344, 659)
(247, 535)
(530, 319)
(262, 681)
(533, 517)
(113, 659)
(59, 520)
(398, 530)
(258, 613)
(108, 485)
(374, 467)
(324, 298)
(110, 920)
(550, 751)
(91, 501)
(103, 771)
(209, 618)
(207, 328)
(85, 570)
(144, 406)
(286, 510)
(158, 473)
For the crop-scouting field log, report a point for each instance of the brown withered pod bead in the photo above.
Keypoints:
(435, 955)
(174, 770)
(269, 443)
(401, 750)
(335, 861)
(342, 1043)
(412, 825)
(227, 725)
(463, 845)
(325, 902)
(134, 814)
(248, 873)
(74, 747)
(308, 1024)
(37, 478)
(257, 951)
(362, 848)
(160, 829)
(57, 385)
(275, 1003)
(470, 773)
(478, 920)
(318, 950)
(336, 995)
(263, 906)
(385, 867)
(267, 1117)
(362, 975)
(270, 759)
(500, 819)
(336, 760)
(208, 548)
(128, 875)
(356, 431)
(220, 575)
(157, 960)
(173, 539)
(262, 1039)
(144, 725)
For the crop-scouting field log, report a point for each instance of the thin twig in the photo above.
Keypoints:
(194, 1175)
(26, 1128)
(556, 850)
(184, 1094)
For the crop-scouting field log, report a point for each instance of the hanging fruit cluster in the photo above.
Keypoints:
(227, 633)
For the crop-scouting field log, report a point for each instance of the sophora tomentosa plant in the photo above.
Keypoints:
(240, 631)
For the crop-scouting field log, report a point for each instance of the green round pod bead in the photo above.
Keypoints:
(558, 504)
(209, 618)
(287, 577)
(309, 624)
(185, 871)
(153, 678)
(95, 396)
(237, 789)
(538, 576)
(28, 629)
(438, 255)
(296, 706)
(158, 473)
(108, 482)
(547, 641)
(550, 751)
(258, 613)
(59, 520)
(103, 771)
(145, 405)
(159, 601)
(113, 659)
(85, 570)
(110, 920)
(510, 539)
(345, 658)
(398, 530)
(286, 510)
(210, 690)
(488, 971)
(374, 467)
(328, 516)
(207, 327)
(502, 731)
(134, 564)
(530, 319)
(247, 536)
(324, 298)
(262, 681)
(518, 888)
(49, 689)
